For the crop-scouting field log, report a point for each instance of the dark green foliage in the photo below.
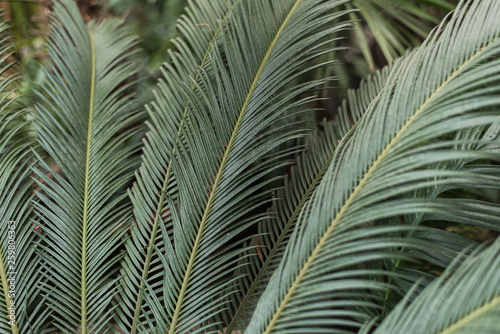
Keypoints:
(238, 211)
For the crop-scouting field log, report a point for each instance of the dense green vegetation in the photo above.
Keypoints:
(204, 166)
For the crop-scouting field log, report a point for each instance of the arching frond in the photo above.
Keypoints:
(274, 231)
(449, 85)
(465, 299)
(472, 212)
(224, 152)
(19, 274)
(156, 188)
(83, 121)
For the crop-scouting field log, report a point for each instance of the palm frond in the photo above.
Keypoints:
(447, 86)
(214, 160)
(18, 265)
(465, 299)
(311, 165)
(83, 120)
(472, 212)
(155, 181)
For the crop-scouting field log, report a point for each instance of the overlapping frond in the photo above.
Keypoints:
(473, 174)
(83, 122)
(155, 192)
(18, 265)
(394, 25)
(311, 165)
(274, 231)
(358, 101)
(450, 85)
(220, 160)
(465, 299)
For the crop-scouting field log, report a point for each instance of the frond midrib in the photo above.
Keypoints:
(164, 190)
(221, 168)
(86, 195)
(361, 184)
(471, 316)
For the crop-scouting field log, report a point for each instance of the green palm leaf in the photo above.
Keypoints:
(472, 212)
(448, 85)
(83, 122)
(466, 211)
(465, 299)
(19, 299)
(214, 161)
(303, 180)
(149, 194)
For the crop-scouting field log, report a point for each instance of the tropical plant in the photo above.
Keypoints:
(236, 211)
(395, 26)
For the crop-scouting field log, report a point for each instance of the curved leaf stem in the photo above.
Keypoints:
(206, 213)
(86, 194)
(161, 201)
(322, 242)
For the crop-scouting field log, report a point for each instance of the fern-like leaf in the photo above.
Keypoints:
(155, 180)
(83, 122)
(220, 160)
(465, 299)
(446, 86)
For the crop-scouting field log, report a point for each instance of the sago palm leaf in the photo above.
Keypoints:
(472, 212)
(274, 232)
(448, 85)
(199, 31)
(83, 121)
(465, 299)
(18, 265)
(220, 160)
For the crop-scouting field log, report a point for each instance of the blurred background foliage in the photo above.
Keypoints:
(154, 21)
(29, 22)
(382, 31)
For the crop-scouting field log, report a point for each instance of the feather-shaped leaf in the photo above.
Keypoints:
(448, 85)
(226, 131)
(18, 265)
(155, 181)
(83, 122)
